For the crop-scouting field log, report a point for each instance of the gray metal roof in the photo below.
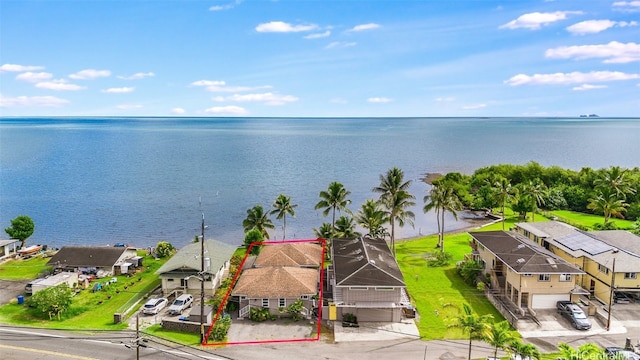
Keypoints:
(365, 262)
(188, 258)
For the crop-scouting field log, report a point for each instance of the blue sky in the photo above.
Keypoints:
(319, 58)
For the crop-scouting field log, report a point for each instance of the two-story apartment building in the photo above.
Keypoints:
(526, 274)
(366, 280)
(610, 257)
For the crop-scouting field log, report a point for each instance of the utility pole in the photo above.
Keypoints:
(613, 284)
(137, 336)
(202, 340)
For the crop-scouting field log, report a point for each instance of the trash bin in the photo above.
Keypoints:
(20, 299)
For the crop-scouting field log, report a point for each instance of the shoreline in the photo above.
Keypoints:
(477, 225)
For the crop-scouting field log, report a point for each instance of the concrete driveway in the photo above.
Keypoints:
(10, 289)
(281, 329)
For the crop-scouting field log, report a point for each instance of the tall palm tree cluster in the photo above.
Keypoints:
(611, 191)
(379, 217)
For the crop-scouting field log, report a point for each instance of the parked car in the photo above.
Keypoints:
(154, 306)
(183, 302)
(574, 314)
(618, 353)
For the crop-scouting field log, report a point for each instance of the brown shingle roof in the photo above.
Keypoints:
(290, 254)
(277, 282)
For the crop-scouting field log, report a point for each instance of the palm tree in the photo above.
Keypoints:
(585, 351)
(443, 198)
(396, 199)
(504, 192)
(500, 335)
(325, 231)
(607, 203)
(473, 324)
(334, 199)
(372, 218)
(537, 191)
(259, 220)
(617, 179)
(283, 206)
(346, 228)
(525, 351)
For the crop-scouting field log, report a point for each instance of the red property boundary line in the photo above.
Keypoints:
(323, 242)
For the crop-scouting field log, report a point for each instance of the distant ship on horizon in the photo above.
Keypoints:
(589, 116)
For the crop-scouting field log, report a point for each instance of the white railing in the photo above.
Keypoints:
(244, 311)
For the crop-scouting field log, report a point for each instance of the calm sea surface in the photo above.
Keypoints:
(96, 181)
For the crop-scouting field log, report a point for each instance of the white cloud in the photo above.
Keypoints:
(178, 111)
(474, 106)
(267, 98)
(32, 101)
(228, 6)
(596, 26)
(90, 74)
(120, 90)
(445, 99)
(364, 27)
(318, 35)
(226, 110)
(283, 27)
(19, 68)
(340, 45)
(59, 85)
(379, 100)
(613, 52)
(585, 87)
(221, 86)
(570, 78)
(535, 20)
(208, 83)
(137, 76)
(627, 6)
(34, 77)
(129, 106)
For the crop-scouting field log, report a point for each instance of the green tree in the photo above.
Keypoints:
(52, 301)
(443, 198)
(258, 219)
(21, 228)
(334, 199)
(281, 207)
(471, 323)
(346, 228)
(253, 236)
(585, 351)
(500, 336)
(504, 193)
(615, 178)
(536, 190)
(607, 203)
(526, 351)
(396, 199)
(372, 218)
(164, 249)
(325, 231)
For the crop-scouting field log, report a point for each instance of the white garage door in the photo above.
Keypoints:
(547, 301)
(375, 315)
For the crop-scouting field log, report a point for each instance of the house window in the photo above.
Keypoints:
(384, 289)
(603, 269)
(565, 277)
(282, 302)
(358, 288)
(527, 275)
(544, 277)
(265, 303)
(170, 280)
(184, 282)
(630, 275)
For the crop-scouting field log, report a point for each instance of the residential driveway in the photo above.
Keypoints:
(10, 289)
(553, 324)
(376, 331)
(282, 329)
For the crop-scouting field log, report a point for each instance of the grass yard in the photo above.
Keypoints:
(90, 310)
(588, 220)
(174, 336)
(19, 269)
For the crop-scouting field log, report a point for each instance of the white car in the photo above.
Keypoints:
(153, 306)
(181, 303)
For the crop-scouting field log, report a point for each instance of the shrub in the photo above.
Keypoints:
(440, 259)
(221, 328)
(469, 271)
(259, 314)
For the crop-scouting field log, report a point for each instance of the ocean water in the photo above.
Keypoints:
(98, 181)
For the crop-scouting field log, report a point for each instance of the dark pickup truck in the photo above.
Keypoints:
(574, 314)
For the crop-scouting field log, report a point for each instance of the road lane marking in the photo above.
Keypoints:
(47, 352)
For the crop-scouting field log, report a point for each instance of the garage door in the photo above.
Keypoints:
(539, 301)
(375, 315)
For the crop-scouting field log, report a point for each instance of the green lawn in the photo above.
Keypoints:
(19, 269)
(90, 310)
(174, 336)
(588, 220)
